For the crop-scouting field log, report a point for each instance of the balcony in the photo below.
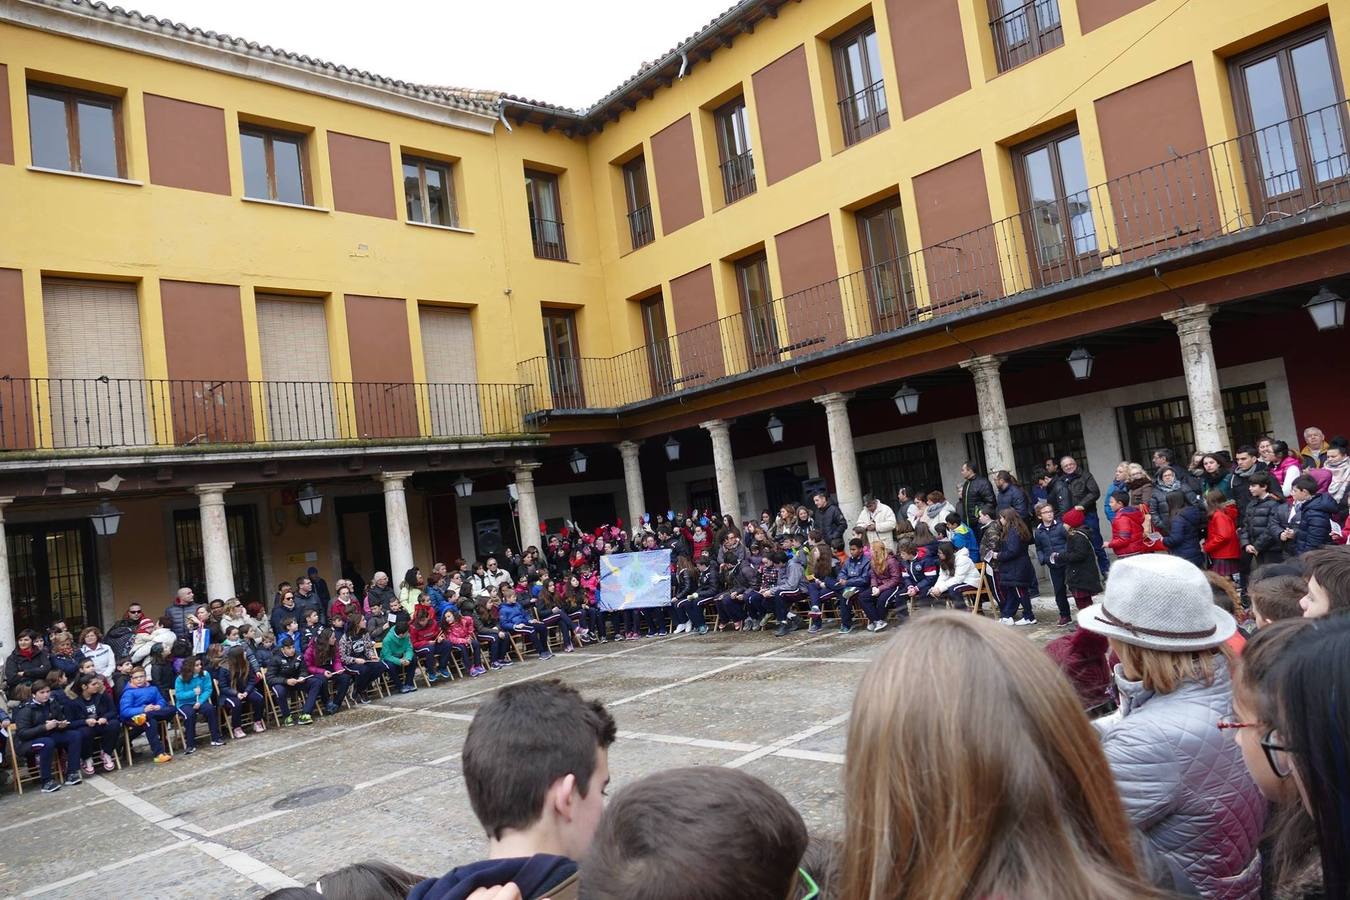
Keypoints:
(641, 230)
(738, 176)
(1201, 202)
(549, 239)
(43, 414)
(864, 114)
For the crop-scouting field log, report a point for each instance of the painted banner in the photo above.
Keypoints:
(634, 580)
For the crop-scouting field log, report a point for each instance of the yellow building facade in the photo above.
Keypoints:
(251, 271)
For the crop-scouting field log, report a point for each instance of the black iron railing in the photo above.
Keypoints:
(549, 239)
(103, 412)
(1024, 33)
(640, 228)
(738, 176)
(864, 114)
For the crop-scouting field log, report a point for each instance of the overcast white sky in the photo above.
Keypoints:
(571, 52)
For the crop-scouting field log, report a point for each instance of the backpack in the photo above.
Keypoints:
(120, 638)
(182, 648)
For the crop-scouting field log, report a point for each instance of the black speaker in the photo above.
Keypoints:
(809, 488)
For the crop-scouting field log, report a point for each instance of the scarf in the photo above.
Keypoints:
(1340, 477)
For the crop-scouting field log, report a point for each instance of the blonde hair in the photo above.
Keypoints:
(1136, 470)
(879, 554)
(973, 772)
(1163, 671)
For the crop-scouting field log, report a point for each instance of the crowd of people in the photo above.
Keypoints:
(1180, 806)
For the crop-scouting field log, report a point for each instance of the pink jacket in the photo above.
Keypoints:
(315, 668)
(462, 632)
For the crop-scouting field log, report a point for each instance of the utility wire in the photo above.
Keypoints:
(1110, 61)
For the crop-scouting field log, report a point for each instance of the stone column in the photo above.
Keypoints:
(847, 486)
(527, 508)
(1202, 376)
(216, 559)
(998, 449)
(396, 523)
(6, 597)
(632, 482)
(725, 465)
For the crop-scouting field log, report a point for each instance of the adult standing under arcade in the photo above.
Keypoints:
(976, 493)
(1084, 495)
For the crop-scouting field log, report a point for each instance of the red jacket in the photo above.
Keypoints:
(1127, 532)
(462, 632)
(1221, 540)
(424, 637)
(891, 574)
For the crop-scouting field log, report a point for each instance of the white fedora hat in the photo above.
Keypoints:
(1160, 602)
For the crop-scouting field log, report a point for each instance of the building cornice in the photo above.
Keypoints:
(110, 26)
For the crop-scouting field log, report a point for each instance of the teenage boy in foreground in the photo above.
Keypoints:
(539, 818)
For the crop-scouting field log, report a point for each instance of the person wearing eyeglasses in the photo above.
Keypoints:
(1183, 784)
(1296, 870)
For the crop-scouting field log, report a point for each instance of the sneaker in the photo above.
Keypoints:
(506, 663)
(620, 637)
(189, 751)
(633, 635)
(703, 629)
(662, 632)
(286, 722)
(497, 664)
(238, 733)
(845, 629)
(881, 626)
(1025, 621)
(51, 786)
(546, 656)
(1005, 621)
(1063, 621)
(304, 719)
(475, 671)
(259, 727)
(783, 630)
(814, 628)
(406, 689)
(74, 778)
(815, 610)
(849, 592)
(330, 709)
(603, 640)
(568, 649)
(432, 677)
(764, 620)
(88, 766)
(445, 673)
(219, 743)
(108, 763)
(163, 758)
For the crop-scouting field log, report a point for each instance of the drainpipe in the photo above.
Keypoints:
(684, 63)
(501, 114)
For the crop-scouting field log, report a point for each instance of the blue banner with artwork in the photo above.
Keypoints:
(634, 580)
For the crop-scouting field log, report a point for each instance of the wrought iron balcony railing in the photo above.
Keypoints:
(108, 413)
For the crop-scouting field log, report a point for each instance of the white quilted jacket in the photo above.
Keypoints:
(1184, 784)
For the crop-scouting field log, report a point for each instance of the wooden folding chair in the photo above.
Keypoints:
(420, 671)
(26, 769)
(984, 591)
(270, 702)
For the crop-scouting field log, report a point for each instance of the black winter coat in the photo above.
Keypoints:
(1083, 491)
(1183, 535)
(975, 494)
(1057, 493)
(1014, 498)
(1260, 526)
(18, 670)
(1314, 523)
(31, 719)
(831, 523)
(1080, 563)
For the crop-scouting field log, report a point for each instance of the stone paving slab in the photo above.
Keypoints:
(289, 805)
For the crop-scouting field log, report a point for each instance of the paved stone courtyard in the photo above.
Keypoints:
(383, 781)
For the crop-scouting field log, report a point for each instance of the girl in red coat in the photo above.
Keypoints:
(431, 648)
(1221, 540)
(463, 637)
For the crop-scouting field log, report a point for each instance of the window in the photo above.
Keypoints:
(857, 78)
(546, 225)
(1056, 207)
(886, 272)
(429, 192)
(53, 570)
(76, 131)
(241, 526)
(1290, 102)
(564, 362)
(1023, 30)
(274, 165)
(702, 493)
(761, 330)
(1033, 444)
(915, 466)
(733, 148)
(640, 228)
(1167, 423)
(658, 344)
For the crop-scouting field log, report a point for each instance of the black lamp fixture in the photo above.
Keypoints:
(463, 486)
(775, 427)
(1327, 309)
(672, 449)
(106, 518)
(1080, 363)
(310, 501)
(577, 462)
(906, 400)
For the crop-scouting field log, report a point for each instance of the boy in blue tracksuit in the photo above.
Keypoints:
(921, 573)
(143, 706)
(855, 574)
(513, 617)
